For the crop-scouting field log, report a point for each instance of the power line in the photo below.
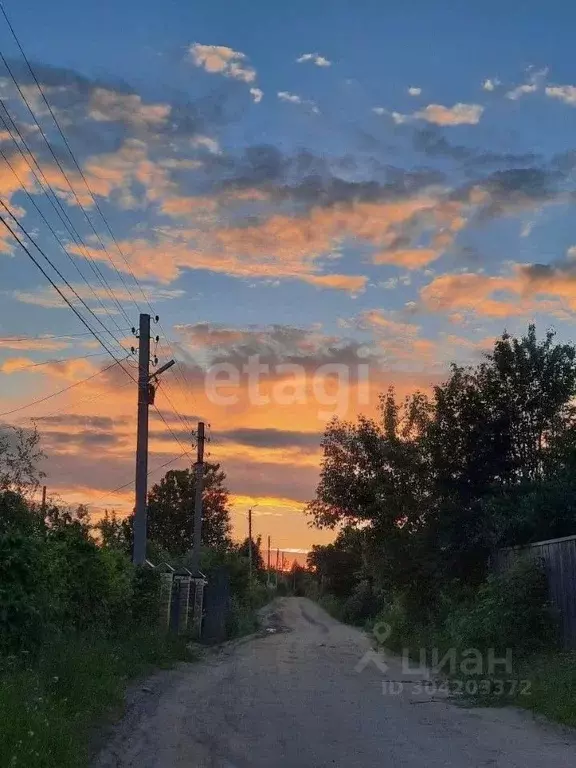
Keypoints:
(63, 172)
(83, 400)
(169, 428)
(179, 374)
(60, 275)
(185, 424)
(55, 202)
(80, 171)
(53, 284)
(50, 336)
(53, 231)
(130, 482)
(47, 362)
(60, 391)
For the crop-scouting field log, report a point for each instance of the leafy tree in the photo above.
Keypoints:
(437, 483)
(258, 567)
(338, 565)
(114, 532)
(20, 455)
(171, 510)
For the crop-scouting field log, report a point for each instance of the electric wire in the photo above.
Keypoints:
(82, 175)
(60, 391)
(60, 275)
(47, 362)
(59, 291)
(64, 175)
(55, 235)
(48, 336)
(131, 482)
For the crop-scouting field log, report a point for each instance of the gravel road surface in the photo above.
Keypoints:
(306, 696)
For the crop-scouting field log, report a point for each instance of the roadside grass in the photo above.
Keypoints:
(243, 618)
(544, 683)
(51, 705)
(549, 690)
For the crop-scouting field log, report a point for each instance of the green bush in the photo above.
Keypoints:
(361, 605)
(510, 610)
(331, 605)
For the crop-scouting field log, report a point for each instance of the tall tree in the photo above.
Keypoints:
(20, 456)
(171, 510)
(435, 483)
(258, 567)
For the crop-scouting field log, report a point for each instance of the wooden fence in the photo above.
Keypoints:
(558, 559)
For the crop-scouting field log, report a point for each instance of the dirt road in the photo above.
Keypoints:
(299, 698)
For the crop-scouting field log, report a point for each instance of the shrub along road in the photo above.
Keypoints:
(301, 697)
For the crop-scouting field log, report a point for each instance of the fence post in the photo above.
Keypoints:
(182, 582)
(166, 579)
(199, 582)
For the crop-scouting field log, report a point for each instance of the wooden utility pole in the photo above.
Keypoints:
(197, 528)
(268, 569)
(250, 542)
(139, 552)
(145, 400)
(277, 558)
(43, 507)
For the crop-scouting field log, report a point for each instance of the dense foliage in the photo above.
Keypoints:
(77, 619)
(427, 492)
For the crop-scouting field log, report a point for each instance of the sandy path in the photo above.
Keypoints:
(297, 699)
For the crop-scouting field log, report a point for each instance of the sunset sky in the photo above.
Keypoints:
(383, 187)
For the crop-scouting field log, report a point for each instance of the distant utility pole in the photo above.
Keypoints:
(268, 571)
(250, 542)
(145, 399)
(197, 529)
(277, 559)
(43, 507)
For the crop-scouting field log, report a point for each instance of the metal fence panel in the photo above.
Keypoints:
(558, 559)
(216, 607)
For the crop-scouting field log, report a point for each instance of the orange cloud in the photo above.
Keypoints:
(222, 60)
(482, 294)
(409, 259)
(281, 246)
(107, 106)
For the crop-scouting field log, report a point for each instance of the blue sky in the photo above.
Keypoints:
(294, 181)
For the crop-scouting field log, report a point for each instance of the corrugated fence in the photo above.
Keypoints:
(558, 558)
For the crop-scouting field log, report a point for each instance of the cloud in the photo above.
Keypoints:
(532, 85)
(84, 421)
(490, 84)
(414, 258)
(283, 246)
(47, 298)
(271, 438)
(412, 91)
(386, 322)
(110, 106)
(222, 60)
(293, 98)
(32, 344)
(272, 344)
(459, 114)
(207, 142)
(433, 143)
(257, 95)
(565, 93)
(529, 288)
(314, 58)
(353, 284)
